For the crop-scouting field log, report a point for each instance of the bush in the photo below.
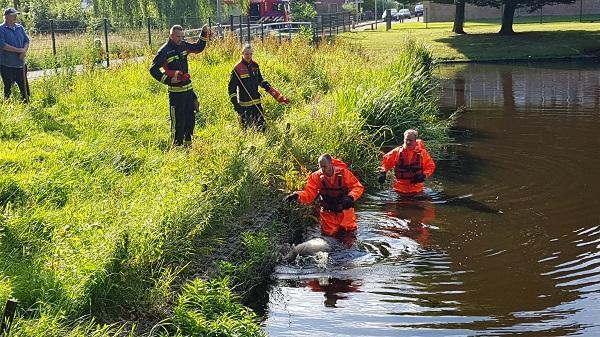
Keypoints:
(208, 308)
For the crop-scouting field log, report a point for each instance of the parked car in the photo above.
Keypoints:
(404, 13)
(394, 13)
(418, 9)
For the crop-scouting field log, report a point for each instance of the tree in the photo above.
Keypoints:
(302, 10)
(459, 17)
(508, 12)
(459, 14)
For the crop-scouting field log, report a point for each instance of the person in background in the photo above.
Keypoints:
(183, 102)
(14, 44)
(243, 91)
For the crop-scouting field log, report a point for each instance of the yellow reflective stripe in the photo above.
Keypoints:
(233, 95)
(181, 89)
(244, 76)
(250, 103)
(184, 53)
(163, 78)
(172, 58)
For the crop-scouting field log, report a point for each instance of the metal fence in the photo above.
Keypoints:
(57, 43)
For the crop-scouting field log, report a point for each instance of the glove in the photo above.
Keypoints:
(178, 75)
(418, 178)
(381, 178)
(347, 202)
(291, 197)
(236, 106)
(278, 96)
(205, 33)
(184, 77)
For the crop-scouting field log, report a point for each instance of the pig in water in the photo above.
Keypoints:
(312, 246)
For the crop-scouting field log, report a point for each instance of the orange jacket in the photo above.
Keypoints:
(390, 160)
(314, 184)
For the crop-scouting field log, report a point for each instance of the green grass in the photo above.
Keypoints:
(102, 224)
(532, 41)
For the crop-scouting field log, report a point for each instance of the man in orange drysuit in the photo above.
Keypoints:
(338, 189)
(411, 162)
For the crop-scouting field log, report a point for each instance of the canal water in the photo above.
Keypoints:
(507, 240)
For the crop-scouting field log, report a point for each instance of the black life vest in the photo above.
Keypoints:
(405, 170)
(332, 194)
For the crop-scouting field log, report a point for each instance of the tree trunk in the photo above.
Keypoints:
(459, 17)
(508, 16)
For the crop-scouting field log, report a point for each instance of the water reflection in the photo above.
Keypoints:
(415, 213)
(333, 289)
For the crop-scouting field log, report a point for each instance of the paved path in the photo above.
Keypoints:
(35, 74)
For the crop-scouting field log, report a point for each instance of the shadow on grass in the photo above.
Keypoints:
(526, 45)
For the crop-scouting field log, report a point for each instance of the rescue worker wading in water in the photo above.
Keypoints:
(411, 163)
(338, 189)
(183, 102)
(243, 91)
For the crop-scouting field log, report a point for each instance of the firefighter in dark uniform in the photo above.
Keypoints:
(172, 58)
(243, 90)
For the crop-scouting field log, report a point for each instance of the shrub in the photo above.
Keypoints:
(208, 308)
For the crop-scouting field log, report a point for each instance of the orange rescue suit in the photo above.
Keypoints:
(332, 190)
(407, 164)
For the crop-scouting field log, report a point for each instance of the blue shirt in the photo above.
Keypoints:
(13, 36)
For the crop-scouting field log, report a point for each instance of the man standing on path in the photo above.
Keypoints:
(243, 91)
(183, 102)
(411, 162)
(338, 189)
(14, 44)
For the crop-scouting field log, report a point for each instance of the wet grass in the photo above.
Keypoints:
(103, 224)
(532, 41)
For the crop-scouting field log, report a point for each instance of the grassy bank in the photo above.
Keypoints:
(532, 41)
(107, 231)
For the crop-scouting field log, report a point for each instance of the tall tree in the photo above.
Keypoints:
(459, 17)
(459, 14)
(509, 6)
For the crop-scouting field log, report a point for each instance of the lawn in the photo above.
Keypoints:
(482, 43)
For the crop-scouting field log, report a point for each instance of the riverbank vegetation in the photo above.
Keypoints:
(105, 230)
(532, 41)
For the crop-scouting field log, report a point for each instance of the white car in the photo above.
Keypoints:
(418, 9)
(404, 13)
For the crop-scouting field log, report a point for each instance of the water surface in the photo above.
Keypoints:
(528, 146)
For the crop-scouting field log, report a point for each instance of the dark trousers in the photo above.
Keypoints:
(252, 117)
(183, 115)
(10, 76)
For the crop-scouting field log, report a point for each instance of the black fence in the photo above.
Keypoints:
(57, 43)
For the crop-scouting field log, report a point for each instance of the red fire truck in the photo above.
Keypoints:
(269, 10)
